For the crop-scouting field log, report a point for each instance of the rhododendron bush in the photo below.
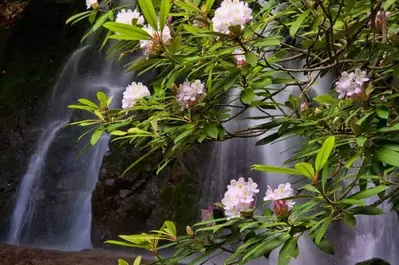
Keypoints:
(326, 71)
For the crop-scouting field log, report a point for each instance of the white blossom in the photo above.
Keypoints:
(239, 197)
(231, 13)
(90, 3)
(132, 93)
(189, 93)
(152, 45)
(283, 191)
(239, 57)
(127, 16)
(351, 83)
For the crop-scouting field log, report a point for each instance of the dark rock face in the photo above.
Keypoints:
(141, 200)
(32, 51)
(374, 261)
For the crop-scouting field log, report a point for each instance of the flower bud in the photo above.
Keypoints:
(189, 231)
(317, 110)
(280, 208)
(304, 106)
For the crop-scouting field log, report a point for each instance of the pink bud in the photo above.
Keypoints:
(280, 207)
(304, 106)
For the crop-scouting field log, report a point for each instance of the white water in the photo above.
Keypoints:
(53, 204)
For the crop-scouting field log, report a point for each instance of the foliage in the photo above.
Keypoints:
(347, 162)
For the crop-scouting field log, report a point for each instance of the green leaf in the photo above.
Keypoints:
(247, 96)
(387, 4)
(164, 13)
(137, 261)
(324, 152)
(252, 58)
(147, 8)
(368, 193)
(387, 156)
(128, 32)
(118, 133)
(326, 246)
(170, 227)
(212, 130)
(122, 262)
(367, 210)
(349, 220)
(352, 201)
(276, 169)
(268, 139)
(310, 188)
(361, 140)
(183, 135)
(209, 4)
(188, 6)
(323, 228)
(298, 22)
(325, 99)
(81, 107)
(102, 20)
(109, 100)
(305, 169)
(96, 136)
(288, 251)
(389, 129)
(88, 102)
(102, 98)
(268, 41)
(261, 84)
(382, 112)
(72, 18)
(265, 247)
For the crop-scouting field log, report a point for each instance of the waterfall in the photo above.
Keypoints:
(374, 236)
(53, 204)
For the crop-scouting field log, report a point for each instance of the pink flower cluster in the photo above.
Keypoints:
(352, 83)
(239, 197)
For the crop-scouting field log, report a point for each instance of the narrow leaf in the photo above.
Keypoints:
(368, 193)
(323, 228)
(276, 169)
(298, 22)
(147, 8)
(96, 136)
(163, 17)
(324, 152)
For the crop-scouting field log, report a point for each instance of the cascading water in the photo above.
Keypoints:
(53, 205)
(374, 236)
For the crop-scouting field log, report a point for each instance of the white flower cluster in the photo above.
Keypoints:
(189, 93)
(127, 16)
(231, 13)
(239, 197)
(90, 3)
(132, 93)
(283, 191)
(152, 45)
(351, 83)
(239, 57)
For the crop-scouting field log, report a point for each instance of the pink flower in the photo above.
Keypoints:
(280, 207)
(239, 57)
(352, 83)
